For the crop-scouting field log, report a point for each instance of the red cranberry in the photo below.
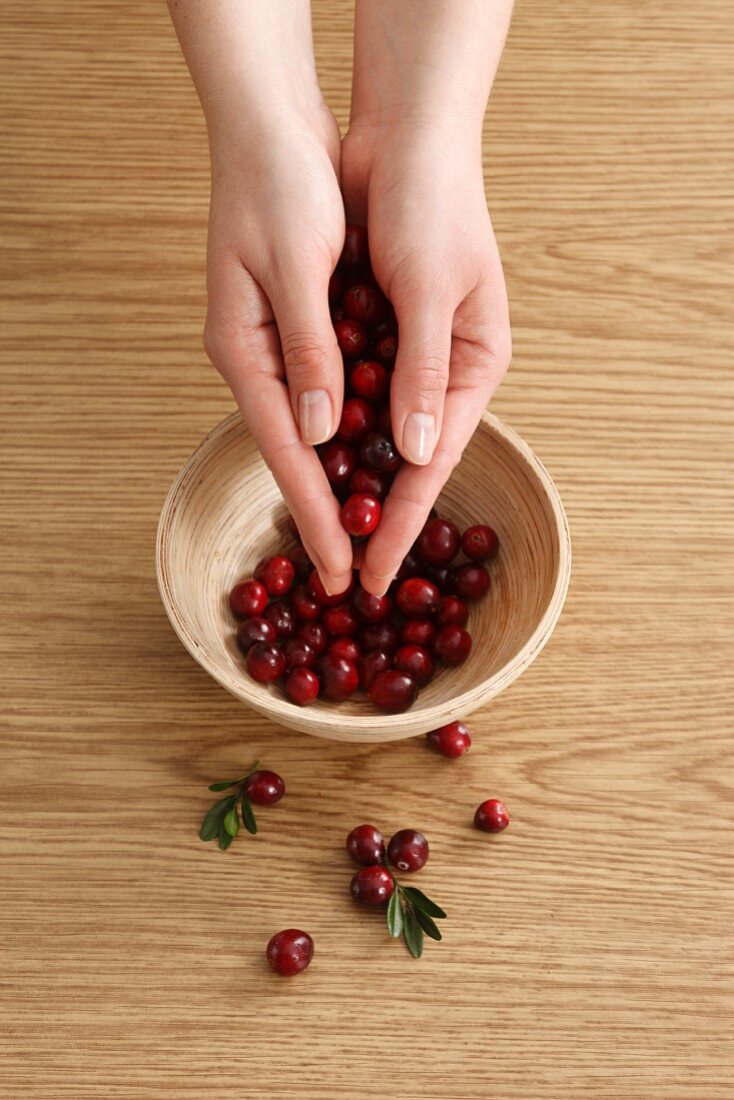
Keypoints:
(370, 664)
(339, 677)
(302, 564)
(302, 686)
(438, 542)
(276, 574)
(289, 952)
(264, 788)
(248, 598)
(358, 418)
(417, 631)
(452, 740)
(393, 691)
(480, 542)
(339, 461)
(369, 481)
(417, 661)
(322, 596)
(418, 596)
(369, 608)
(379, 453)
(298, 654)
(492, 816)
(250, 631)
(336, 288)
(469, 582)
(452, 644)
(452, 610)
(360, 514)
(409, 568)
(370, 380)
(351, 337)
(408, 850)
(355, 252)
(366, 845)
(386, 348)
(283, 618)
(440, 575)
(379, 636)
(314, 634)
(338, 314)
(304, 604)
(265, 662)
(364, 303)
(344, 647)
(340, 620)
(384, 420)
(372, 885)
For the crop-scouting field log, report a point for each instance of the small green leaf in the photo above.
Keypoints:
(395, 914)
(225, 839)
(427, 924)
(225, 785)
(248, 817)
(420, 901)
(213, 818)
(413, 935)
(231, 821)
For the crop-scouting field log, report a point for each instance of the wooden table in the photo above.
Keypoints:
(587, 948)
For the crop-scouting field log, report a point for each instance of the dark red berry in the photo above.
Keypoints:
(358, 418)
(408, 850)
(417, 661)
(265, 662)
(336, 288)
(264, 788)
(339, 461)
(302, 686)
(355, 252)
(289, 952)
(339, 677)
(250, 631)
(384, 420)
(370, 664)
(452, 610)
(409, 567)
(386, 348)
(480, 542)
(492, 816)
(438, 542)
(340, 620)
(248, 598)
(351, 337)
(276, 574)
(452, 740)
(364, 303)
(283, 618)
(369, 608)
(452, 644)
(372, 885)
(382, 635)
(417, 631)
(469, 582)
(360, 514)
(338, 314)
(366, 845)
(393, 691)
(379, 453)
(314, 634)
(439, 575)
(302, 564)
(322, 596)
(344, 647)
(370, 381)
(298, 654)
(369, 481)
(304, 603)
(417, 596)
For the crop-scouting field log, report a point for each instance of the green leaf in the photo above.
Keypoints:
(427, 924)
(225, 839)
(413, 934)
(395, 914)
(248, 817)
(213, 818)
(231, 821)
(420, 901)
(225, 785)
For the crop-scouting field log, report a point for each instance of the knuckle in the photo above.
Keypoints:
(429, 379)
(304, 356)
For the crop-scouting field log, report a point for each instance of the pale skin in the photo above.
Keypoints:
(410, 169)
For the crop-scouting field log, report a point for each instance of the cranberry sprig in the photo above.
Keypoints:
(222, 820)
(410, 914)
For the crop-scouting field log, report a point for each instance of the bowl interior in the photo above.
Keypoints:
(225, 513)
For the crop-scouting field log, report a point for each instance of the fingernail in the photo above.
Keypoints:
(314, 416)
(419, 438)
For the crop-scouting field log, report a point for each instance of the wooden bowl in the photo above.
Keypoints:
(224, 512)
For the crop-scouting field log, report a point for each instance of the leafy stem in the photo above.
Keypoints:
(222, 820)
(410, 914)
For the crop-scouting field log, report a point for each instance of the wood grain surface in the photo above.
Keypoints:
(587, 951)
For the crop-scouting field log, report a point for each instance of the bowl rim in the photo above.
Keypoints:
(390, 726)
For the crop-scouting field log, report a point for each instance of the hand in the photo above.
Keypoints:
(434, 254)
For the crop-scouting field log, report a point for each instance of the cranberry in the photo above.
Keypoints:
(379, 636)
(370, 380)
(452, 644)
(314, 634)
(276, 574)
(250, 631)
(289, 952)
(408, 850)
(440, 575)
(358, 418)
(372, 885)
(264, 788)
(366, 845)
(336, 288)
(338, 314)
(304, 604)
(417, 661)
(393, 691)
(386, 348)
(452, 610)
(340, 620)
(364, 303)
(369, 481)
(360, 514)
(339, 677)
(298, 654)
(351, 337)
(417, 631)
(302, 564)
(355, 252)
(452, 740)
(408, 568)
(344, 647)
(370, 664)
(438, 542)
(369, 608)
(480, 542)
(492, 816)
(248, 598)
(469, 582)
(339, 461)
(265, 662)
(379, 453)
(283, 618)
(418, 596)
(384, 420)
(322, 596)
(302, 686)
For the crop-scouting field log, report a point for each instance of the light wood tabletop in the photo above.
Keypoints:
(588, 949)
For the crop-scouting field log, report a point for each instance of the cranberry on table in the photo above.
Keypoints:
(372, 885)
(355, 252)
(339, 677)
(250, 631)
(304, 603)
(452, 740)
(248, 598)
(379, 453)
(283, 618)
(393, 691)
(298, 654)
(364, 303)
(452, 644)
(289, 952)
(343, 646)
(315, 634)
(469, 582)
(357, 419)
(408, 850)
(264, 788)
(340, 620)
(366, 845)
(417, 596)
(438, 542)
(265, 662)
(302, 564)
(302, 685)
(369, 481)
(276, 573)
(322, 596)
(492, 816)
(452, 610)
(480, 542)
(370, 381)
(360, 514)
(339, 461)
(377, 660)
(417, 661)
(417, 631)
(382, 635)
(369, 608)
(351, 337)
